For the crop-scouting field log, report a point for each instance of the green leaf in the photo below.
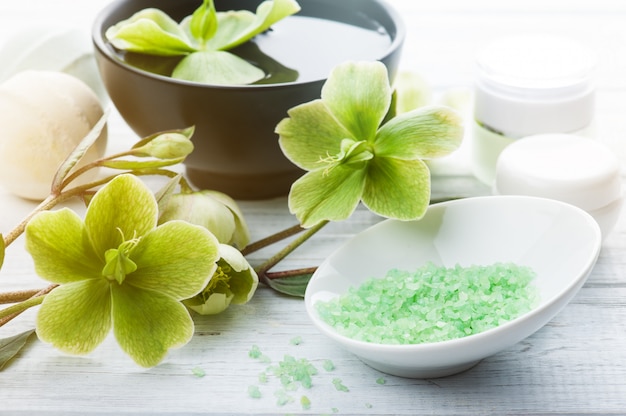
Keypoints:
(292, 285)
(203, 23)
(10, 346)
(78, 152)
(141, 164)
(164, 194)
(217, 67)
(358, 95)
(152, 32)
(237, 27)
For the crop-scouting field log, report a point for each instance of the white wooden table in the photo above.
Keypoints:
(575, 364)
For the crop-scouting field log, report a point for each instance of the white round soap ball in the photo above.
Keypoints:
(43, 117)
(52, 48)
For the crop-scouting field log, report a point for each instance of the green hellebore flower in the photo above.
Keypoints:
(202, 38)
(213, 210)
(234, 281)
(118, 269)
(351, 157)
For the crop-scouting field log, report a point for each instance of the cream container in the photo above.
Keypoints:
(525, 85)
(578, 170)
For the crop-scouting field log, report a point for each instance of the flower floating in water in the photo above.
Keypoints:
(353, 154)
(118, 269)
(203, 38)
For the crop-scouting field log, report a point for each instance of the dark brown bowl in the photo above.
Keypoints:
(236, 149)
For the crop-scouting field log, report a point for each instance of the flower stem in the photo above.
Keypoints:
(11, 312)
(290, 273)
(17, 296)
(46, 204)
(95, 164)
(274, 238)
(272, 261)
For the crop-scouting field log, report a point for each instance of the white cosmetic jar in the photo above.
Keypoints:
(577, 170)
(529, 84)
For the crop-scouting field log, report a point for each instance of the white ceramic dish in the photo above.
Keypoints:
(559, 241)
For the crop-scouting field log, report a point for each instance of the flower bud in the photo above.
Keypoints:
(213, 210)
(234, 281)
(167, 146)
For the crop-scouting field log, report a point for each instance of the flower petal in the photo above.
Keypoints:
(241, 236)
(124, 204)
(226, 69)
(237, 27)
(176, 259)
(76, 317)
(326, 195)
(200, 209)
(243, 279)
(216, 303)
(58, 244)
(147, 324)
(150, 31)
(311, 133)
(397, 188)
(427, 132)
(359, 95)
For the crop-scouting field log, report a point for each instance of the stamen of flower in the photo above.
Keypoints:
(219, 281)
(351, 152)
(118, 263)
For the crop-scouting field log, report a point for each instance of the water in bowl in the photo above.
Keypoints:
(298, 48)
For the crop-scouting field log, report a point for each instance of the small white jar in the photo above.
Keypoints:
(529, 84)
(573, 169)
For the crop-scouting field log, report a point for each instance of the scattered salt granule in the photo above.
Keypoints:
(282, 398)
(254, 352)
(305, 403)
(291, 372)
(339, 385)
(432, 303)
(254, 392)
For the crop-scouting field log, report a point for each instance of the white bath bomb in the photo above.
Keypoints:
(43, 116)
(52, 48)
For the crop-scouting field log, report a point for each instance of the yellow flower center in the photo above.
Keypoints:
(353, 153)
(117, 260)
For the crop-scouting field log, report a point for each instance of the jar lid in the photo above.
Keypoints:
(534, 83)
(577, 170)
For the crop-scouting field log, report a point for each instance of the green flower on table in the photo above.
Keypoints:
(352, 153)
(234, 281)
(118, 269)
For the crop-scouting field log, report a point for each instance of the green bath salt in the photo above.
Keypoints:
(432, 303)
